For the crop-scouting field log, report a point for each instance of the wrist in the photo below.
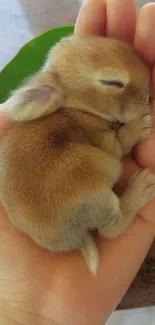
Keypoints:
(8, 315)
(13, 316)
(4, 320)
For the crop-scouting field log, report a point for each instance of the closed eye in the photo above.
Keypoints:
(112, 83)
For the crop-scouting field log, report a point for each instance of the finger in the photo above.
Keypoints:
(144, 42)
(129, 168)
(121, 19)
(145, 153)
(92, 18)
(5, 121)
(148, 211)
(144, 35)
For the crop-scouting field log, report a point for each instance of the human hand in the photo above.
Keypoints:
(121, 24)
(38, 287)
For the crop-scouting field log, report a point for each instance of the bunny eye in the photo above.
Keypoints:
(112, 83)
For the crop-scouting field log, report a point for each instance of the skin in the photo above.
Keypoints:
(37, 287)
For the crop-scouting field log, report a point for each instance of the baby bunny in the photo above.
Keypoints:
(73, 122)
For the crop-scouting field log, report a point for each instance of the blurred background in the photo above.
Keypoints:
(20, 20)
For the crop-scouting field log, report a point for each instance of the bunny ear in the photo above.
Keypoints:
(40, 96)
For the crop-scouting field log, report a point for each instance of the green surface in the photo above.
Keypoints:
(29, 59)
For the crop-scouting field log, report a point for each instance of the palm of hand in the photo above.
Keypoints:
(46, 286)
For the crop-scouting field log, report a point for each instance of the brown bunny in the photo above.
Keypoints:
(74, 120)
